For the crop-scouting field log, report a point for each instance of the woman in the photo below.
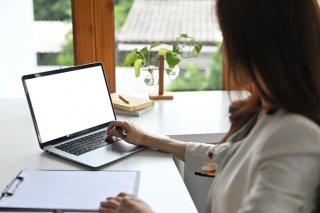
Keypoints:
(269, 160)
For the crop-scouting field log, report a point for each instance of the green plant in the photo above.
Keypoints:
(184, 47)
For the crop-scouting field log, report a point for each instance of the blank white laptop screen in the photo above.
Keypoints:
(69, 102)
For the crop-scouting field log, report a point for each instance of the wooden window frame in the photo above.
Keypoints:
(93, 35)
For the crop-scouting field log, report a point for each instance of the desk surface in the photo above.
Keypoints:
(192, 113)
(189, 114)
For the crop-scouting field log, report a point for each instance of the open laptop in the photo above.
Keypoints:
(71, 109)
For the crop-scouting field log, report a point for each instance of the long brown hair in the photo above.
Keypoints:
(274, 46)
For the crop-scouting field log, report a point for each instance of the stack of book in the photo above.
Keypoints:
(129, 105)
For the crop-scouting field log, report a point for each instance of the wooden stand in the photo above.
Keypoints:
(161, 94)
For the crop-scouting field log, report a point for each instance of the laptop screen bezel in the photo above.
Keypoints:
(55, 72)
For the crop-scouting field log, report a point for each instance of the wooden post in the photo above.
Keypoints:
(93, 35)
(161, 94)
(161, 73)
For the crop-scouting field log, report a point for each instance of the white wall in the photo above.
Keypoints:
(17, 56)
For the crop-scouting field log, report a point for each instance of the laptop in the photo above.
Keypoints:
(71, 109)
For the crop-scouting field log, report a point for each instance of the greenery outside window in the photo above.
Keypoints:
(49, 15)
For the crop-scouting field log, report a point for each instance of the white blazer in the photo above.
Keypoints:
(276, 168)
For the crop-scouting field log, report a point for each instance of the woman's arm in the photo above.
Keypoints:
(130, 203)
(137, 136)
(196, 157)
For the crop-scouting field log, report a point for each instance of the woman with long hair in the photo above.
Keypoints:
(269, 160)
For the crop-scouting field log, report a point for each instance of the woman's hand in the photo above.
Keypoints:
(124, 203)
(135, 135)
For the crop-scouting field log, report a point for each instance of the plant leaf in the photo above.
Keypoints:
(168, 70)
(183, 35)
(177, 48)
(172, 59)
(144, 51)
(163, 51)
(198, 47)
(140, 54)
(130, 58)
(186, 37)
(137, 66)
(156, 44)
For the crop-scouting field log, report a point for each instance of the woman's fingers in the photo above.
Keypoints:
(110, 205)
(124, 203)
(112, 131)
(122, 194)
(115, 123)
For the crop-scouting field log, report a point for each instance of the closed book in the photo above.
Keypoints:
(136, 113)
(133, 104)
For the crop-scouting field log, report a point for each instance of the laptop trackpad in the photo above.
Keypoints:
(121, 147)
(108, 153)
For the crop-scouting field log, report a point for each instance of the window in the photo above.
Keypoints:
(142, 22)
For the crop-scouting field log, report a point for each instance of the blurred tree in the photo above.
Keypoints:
(121, 10)
(58, 10)
(215, 78)
(65, 57)
(47, 59)
(193, 79)
(52, 10)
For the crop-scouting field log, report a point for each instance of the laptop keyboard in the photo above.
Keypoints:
(85, 144)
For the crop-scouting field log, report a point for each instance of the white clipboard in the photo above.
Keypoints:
(66, 190)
